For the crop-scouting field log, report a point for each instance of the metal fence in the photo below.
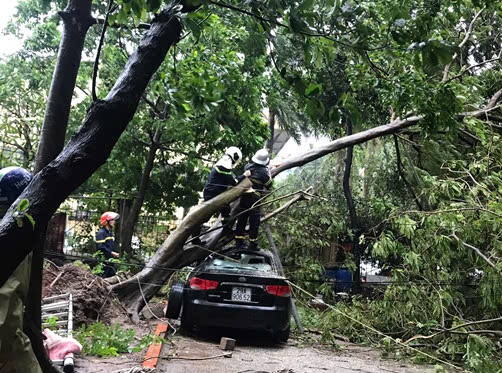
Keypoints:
(72, 231)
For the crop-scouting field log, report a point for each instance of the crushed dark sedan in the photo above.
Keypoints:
(238, 289)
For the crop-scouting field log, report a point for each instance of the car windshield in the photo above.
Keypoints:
(246, 262)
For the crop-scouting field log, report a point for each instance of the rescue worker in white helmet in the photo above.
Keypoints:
(259, 174)
(16, 354)
(220, 179)
(105, 241)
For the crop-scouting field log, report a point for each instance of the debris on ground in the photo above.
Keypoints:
(92, 297)
(227, 344)
(135, 370)
(154, 310)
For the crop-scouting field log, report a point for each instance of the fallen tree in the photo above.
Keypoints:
(174, 254)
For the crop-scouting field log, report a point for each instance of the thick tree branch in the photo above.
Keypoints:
(363, 136)
(76, 21)
(283, 25)
(462, 43)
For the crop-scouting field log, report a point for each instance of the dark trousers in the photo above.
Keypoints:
(108, 269)
(253, 216)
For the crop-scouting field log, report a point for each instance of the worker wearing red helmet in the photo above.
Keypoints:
(16, 354)
(105, 241)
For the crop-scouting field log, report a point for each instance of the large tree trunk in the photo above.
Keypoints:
(76, 21)
(127, 227)
(91, 146)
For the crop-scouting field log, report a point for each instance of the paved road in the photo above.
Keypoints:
(203, 355)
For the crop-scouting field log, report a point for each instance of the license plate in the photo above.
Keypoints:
(241, 294)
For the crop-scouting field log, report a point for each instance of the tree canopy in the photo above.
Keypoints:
(161, 89)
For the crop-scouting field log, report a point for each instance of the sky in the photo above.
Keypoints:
(9, 45)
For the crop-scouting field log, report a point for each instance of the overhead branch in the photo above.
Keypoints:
(386, 129)
(283, 25)
(98, 53)
(462, 43)
(471, 67)
(477, 251)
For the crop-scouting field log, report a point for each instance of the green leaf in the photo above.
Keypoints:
(193, 26)
(23, 205)
(313, 89)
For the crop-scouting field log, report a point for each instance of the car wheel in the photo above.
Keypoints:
(175, 300)
(281, 336)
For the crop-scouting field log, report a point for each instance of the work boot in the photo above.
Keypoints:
(239, 243)
(253, 246)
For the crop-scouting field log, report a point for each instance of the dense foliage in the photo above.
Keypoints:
(427, 201)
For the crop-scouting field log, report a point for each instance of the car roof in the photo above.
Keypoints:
(263, 253)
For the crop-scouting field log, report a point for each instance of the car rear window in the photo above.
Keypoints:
(242, 263)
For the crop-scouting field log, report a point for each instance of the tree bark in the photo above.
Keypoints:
(76, 21)
(127, 227)
(91, 146)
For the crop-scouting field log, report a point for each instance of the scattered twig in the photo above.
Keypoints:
(462, 43)
(56, 279)
(452, 329)
(52, 263)
(476, 250)
(91, 283)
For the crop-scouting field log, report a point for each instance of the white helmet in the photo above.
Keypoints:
(235, 155)
(261, 157)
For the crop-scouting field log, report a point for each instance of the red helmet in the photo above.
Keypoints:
(107, 216)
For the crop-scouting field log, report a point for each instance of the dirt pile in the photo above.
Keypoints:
(92, 300)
